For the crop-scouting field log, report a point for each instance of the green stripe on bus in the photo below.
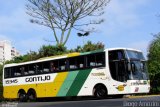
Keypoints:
(67, 83)
(78, 82)
(91, 52)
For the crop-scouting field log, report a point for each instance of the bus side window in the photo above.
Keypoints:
(31, 69)
(80, 62)
(13, 70)
(54, 66)
(18, 71)
(25, 70)
(100, 59)
(91, 62)
(7, 72)
(39, 68)
(62, 64)
(46, 67)
(73, 63)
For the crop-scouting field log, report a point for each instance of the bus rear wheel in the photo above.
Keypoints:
(32, 95)
(22, 96)
(100, 91)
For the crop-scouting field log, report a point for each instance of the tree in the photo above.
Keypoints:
(61, 16)
(154, 63)
(49, 50)
(89, 46)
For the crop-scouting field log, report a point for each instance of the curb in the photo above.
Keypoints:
(142, 96)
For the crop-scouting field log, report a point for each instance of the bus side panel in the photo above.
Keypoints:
(12, 91)
(53, 87)
(78, 82)
(67, 83)
(96, 76)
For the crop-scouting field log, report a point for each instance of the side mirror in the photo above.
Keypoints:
(129, 67)
(133, 67)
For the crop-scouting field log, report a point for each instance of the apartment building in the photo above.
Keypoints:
(7, 52)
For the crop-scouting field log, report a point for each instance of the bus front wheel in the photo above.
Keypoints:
(100, 91)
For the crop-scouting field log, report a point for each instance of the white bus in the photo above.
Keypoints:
(117, 71)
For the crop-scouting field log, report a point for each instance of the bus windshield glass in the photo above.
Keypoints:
(138, 65)
(135, 55)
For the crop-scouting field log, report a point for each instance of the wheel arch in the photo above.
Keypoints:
(21, 91)
(32, 95)
(31, 90)
(99, 84)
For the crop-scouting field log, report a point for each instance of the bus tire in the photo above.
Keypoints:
(100, 91)
(22, 96)
(32, 96)
(119, 96)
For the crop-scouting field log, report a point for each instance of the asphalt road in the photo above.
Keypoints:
(89, 102)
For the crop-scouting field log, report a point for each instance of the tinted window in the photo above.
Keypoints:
(18, 71)
(100, 59)
(117, 65)
(135, 55)
(62, 64)
(54, 66)
(80, 62)
(116, 55)
(13, 70)
(91, 60)
(46, 67)
(39, 68)
(73, 63)
(95, 60)
(24, 69)
(7, 72)
(31, 69)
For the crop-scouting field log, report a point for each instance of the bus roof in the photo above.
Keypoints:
(122, 48)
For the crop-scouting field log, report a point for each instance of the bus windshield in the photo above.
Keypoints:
(135, 55)
(138, 66)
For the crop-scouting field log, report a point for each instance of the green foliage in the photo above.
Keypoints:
(89, 46)
(154, 64)
(49, 50)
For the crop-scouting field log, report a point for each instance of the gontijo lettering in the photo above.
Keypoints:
(38, 78)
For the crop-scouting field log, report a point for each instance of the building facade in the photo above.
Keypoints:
(7, 52)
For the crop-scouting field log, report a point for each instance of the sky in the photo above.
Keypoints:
(128, 23)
